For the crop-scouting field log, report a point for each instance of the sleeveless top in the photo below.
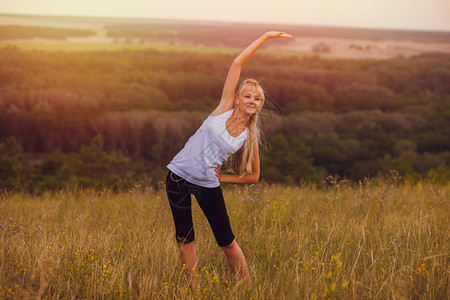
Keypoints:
(209, 147)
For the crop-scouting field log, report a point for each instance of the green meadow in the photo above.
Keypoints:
(376, 240)
(55, 46)
(81, 47)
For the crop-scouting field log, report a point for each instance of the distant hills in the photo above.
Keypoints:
(236, 32)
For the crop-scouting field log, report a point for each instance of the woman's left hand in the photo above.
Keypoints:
(217, 169)
(277, 34)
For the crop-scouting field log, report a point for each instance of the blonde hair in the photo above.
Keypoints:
(241, 161)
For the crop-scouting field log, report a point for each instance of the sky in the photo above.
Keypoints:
(389, 14)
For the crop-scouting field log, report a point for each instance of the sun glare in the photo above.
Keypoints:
(402, 14)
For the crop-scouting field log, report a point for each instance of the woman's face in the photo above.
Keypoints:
(250, 100)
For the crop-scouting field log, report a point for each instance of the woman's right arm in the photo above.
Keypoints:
(229, 88)
(249, 178)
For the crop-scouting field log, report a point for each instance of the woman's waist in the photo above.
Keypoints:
(203, 178)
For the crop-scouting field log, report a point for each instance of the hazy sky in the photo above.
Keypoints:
(403, 14)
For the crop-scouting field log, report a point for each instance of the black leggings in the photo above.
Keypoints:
(211, 202)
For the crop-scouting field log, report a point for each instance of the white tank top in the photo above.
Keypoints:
(209, 147)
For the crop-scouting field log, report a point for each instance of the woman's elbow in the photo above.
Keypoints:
(254, 179)
(237, 62)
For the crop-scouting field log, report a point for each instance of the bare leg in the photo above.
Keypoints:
(237, 261)
(189, 260)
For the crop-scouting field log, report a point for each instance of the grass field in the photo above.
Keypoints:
(84, 47)
(378, 240)
(81, 47)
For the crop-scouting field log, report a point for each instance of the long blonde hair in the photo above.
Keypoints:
(241, 161)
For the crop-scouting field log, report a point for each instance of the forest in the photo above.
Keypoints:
(116, 118)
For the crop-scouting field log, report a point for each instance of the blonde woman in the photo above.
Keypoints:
(230, 130)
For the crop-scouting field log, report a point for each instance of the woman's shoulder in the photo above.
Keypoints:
(220, 112)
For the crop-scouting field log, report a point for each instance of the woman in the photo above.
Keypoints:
(231, 129)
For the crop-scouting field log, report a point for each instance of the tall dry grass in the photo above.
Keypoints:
(377, 240)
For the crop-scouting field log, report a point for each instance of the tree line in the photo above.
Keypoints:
(238, 35)
(352, 118)
(29, 32)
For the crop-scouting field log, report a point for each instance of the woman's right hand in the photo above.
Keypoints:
(277, 34)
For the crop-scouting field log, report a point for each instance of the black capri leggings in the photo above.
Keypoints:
(211, 202)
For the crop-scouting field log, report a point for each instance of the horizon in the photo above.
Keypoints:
(368, 14)
(172, 20)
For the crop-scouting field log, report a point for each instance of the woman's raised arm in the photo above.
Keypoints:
(229, 88)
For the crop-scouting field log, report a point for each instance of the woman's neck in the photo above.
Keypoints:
(240, 118)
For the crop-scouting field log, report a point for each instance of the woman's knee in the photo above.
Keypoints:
(230, 246)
